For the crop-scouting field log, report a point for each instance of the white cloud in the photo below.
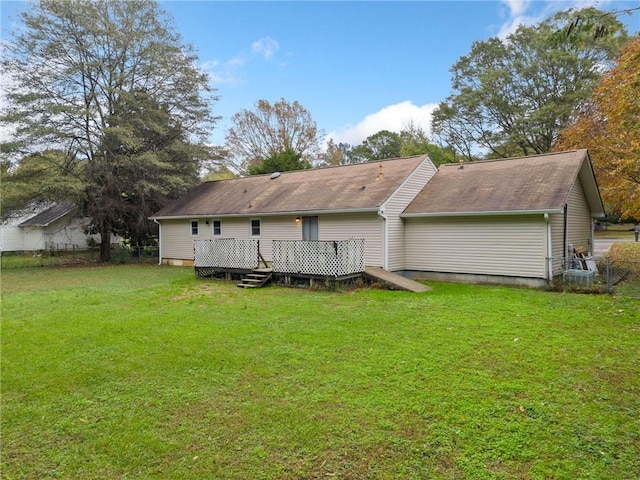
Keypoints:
(266, 47)
(227, 73)
(517, 15)
(527, 12)
(516, 7)
(393, 118)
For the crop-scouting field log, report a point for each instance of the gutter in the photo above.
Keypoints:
(479, 214)
(264, 214)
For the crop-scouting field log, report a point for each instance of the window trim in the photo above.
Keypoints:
(197, 225)
(213, 228)
(259, 227)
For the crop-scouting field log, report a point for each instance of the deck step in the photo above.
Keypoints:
(255, 279)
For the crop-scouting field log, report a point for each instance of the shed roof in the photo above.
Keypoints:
(538, 183)
(50, 215)
(359, 187)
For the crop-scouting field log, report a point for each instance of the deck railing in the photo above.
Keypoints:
(322, 258)
(226, 253)
(317, 258)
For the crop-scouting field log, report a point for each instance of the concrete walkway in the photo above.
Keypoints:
(601, 245)
(395, 281)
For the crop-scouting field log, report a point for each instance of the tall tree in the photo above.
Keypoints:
(111, 84)
(515, 95)
(270, 130)
(610, 129)
(380, 145)
(280, 162)
(37, 176)
(336, 154)
(415, 141)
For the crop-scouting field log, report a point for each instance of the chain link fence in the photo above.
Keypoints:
(623, 277)
(619, 277)
(74, 256)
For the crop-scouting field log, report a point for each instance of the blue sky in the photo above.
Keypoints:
(358, 67)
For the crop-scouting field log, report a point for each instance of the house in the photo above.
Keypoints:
(506, 221)
(44, 225)
(362, 201)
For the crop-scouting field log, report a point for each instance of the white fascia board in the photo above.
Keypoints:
(479, 214)
(269, 214)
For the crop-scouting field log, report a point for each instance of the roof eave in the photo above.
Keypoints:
(481, 214)
(42, 225)
(266, 214)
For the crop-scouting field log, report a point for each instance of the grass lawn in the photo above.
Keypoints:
(620, 230)
(147, 372)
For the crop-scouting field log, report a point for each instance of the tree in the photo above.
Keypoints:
(412, 140)
(270, 130)
(110, 84)
(515, 95)
(610, 129)
(415, 141)
(37, 176)
(280, 162)
(339, 154)
(380, 145)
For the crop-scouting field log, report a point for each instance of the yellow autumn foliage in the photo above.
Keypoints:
(610, 129)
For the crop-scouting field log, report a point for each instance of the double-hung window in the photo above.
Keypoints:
(195, 226)
(255, 228)
(217, 228)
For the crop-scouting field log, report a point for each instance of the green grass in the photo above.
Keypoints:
(147, 372)
(618, 230)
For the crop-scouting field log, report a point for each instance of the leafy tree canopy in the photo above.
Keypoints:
(412, 140)
(111, 86)
(280, 162)
(270, 130)
(610, 128)
(37, 176)
(513, 96)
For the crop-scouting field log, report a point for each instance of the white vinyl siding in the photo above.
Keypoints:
(355, 225)
(396, 205)
(177, 242)
(578, 227)
(579, 218)
(501, 245)
(557, 234)
(176, 239)
(65, 233)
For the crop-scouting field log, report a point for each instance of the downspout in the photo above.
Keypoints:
(549, 250)
(386, 239)
(564, 238)
(159, 241)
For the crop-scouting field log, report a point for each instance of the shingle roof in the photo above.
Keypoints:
(364, 186)
(539, 183)
(50, 215)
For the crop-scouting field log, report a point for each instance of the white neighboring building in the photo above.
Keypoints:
(44, 226)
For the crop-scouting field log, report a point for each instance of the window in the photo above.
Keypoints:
(309, 228)
(194, 228)
(255, 228)
(217, 228)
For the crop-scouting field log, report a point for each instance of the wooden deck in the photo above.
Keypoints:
(394, 280)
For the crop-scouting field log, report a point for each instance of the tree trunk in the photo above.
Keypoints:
(105, 244)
